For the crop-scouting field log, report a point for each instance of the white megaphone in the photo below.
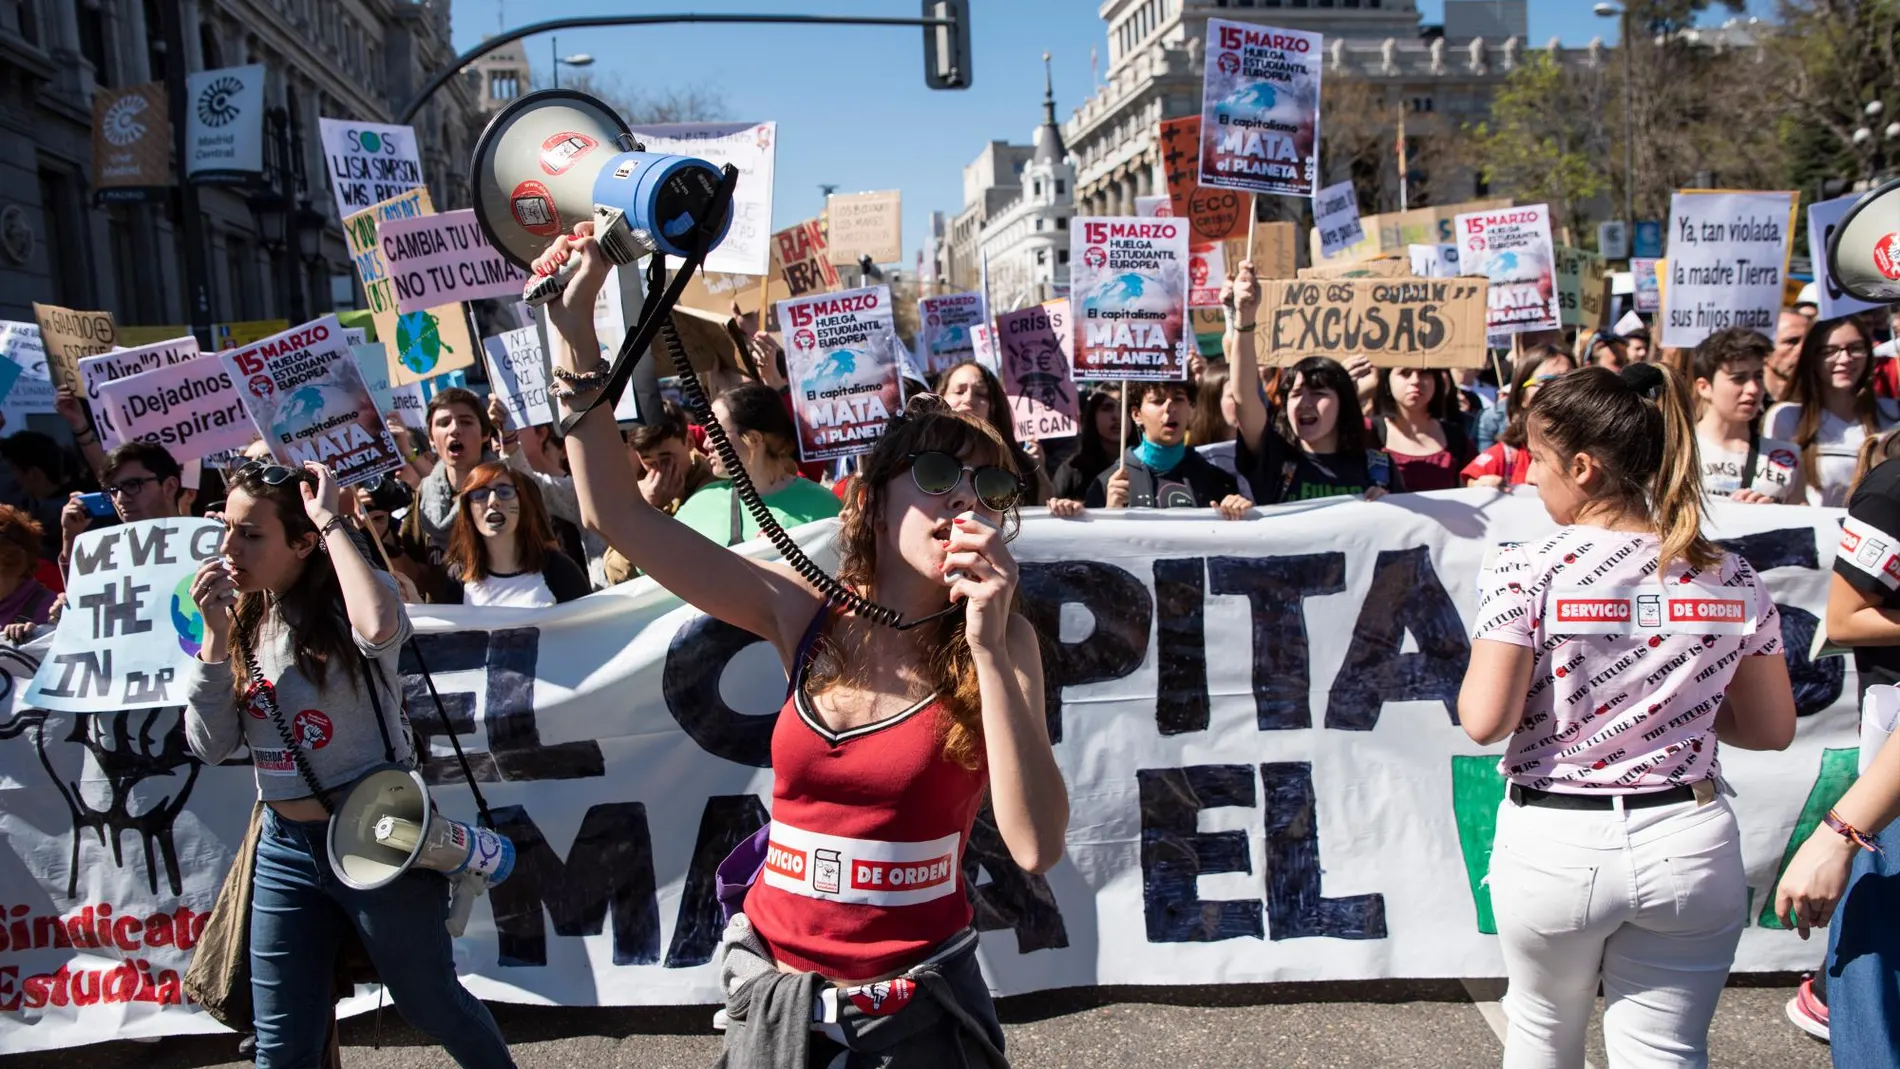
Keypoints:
(559, 157)
(388, 825)
(1863, 253)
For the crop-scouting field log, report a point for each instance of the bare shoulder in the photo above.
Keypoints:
(1025, 644)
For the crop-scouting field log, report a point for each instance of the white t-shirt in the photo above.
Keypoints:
(1777, 469)
(1836, 444)
(525, 591)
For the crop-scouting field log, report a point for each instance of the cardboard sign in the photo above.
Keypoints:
(1038, 370)
(1513, 250)
(369, 162)
(517, 372)
(1129, 281)
(1580, 295)
(1411, 322)
(132, 624)
(444, 259)
(1385, 268)
(425, 343)
(1336, 217)
(845, 365)
(1260, 109)
(30, 390)
(70, 336)
(224, 125)
(750, 147)
(943, 333)
(1392, 233)
(95, 371)
(1728, 254)
(804, 262)
(307, 398)
(131, 141)
(1273, 248)
(864, 224)
(1434, 261)
(1834, 301)
(190, 407)
(1213, 214)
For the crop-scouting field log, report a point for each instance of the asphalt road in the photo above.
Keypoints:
(1414, 1025)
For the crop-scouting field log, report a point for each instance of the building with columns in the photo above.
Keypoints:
(355, 59)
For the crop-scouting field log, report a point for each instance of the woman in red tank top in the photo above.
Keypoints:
(884, 751)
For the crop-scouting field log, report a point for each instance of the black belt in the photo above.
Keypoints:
(1532, 796)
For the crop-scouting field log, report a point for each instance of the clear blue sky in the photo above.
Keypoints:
(850, 102)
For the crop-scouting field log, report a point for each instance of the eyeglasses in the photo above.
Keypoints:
(499, 491)
(1857, 350)
(937, 474)
(131, 487)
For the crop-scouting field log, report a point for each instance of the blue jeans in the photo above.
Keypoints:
(300, 913)
(1863, 962)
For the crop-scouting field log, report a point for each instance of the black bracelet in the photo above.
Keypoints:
(335, 522)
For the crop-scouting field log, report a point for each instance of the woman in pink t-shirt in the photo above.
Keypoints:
(1613, 655)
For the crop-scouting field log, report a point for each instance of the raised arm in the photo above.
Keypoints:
(374, 610)
(1250, 406)
(767, 599)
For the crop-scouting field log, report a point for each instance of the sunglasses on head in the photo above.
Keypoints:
(274, 474)
(939, 473)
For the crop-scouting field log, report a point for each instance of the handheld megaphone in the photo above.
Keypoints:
(559, 157)
(388, 825)
(1863, 253)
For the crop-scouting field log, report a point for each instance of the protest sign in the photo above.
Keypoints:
(1293, 678)
(803, 259)
(1834, 301)
(1410, 322)
(864, 224)
(1392, 233)
(1728, 253)
(444, 259)
(983, 346)
(372, 359)
(1582, 278)
(70, 336)
(1381, 268)
(1260, 109)
(308, 400)
(1336, 217)
(750, 147)
(844, 362)
(1434, 261)
(1156, 207)
(131, 142)
(130, 624)
(31, 391)
(95, 371)
(189, 407)
(517, 372)
(1212, 214)
(616, 309)
(1038, 376)
(368, 162)
(224, 125)
(427, 342)
(233, 335)
(1646, 286)
(1511, 247)
(1129, 278)
(1207, 270)
(943, 336)
(1273, 249)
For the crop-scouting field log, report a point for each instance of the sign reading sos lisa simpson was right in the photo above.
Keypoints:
(1129, 281)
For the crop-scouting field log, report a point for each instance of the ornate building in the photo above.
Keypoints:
(1027, 239)
(274, 249)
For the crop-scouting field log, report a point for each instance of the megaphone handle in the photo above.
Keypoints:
(463, 891)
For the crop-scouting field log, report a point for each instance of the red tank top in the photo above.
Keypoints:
(864, 872)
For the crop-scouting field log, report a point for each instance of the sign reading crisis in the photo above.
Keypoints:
(1214, 214)
(1130, 281)
(1038, 377)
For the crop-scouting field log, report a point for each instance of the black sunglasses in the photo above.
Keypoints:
(275, 474)
(939, 473)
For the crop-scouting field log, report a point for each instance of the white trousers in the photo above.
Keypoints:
(1650, 902)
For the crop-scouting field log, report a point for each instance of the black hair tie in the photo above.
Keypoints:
(1645, 379)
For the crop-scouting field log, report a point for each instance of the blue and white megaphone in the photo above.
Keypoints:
(388, 825)
(559, 157)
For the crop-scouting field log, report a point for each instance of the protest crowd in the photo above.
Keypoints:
(349, 494)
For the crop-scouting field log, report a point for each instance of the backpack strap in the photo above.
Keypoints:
(1754, 454)
(806, 643)
(1379, 468)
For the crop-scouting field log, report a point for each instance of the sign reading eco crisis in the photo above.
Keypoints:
(1129, 282)
(224, 125)
(1260, 109)
(1214, 214)
(1256, 723)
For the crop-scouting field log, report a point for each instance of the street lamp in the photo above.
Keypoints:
(1864, 138)
(578, 59)
(1617, 11)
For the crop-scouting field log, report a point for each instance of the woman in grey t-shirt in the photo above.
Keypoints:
(292, 600)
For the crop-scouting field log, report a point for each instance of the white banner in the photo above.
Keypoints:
(368, 162)
(224, 124)
(1823, 218)
(1254, 721)
(1728, 253)
(752, 147)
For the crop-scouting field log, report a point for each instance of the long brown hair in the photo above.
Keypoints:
(1810, 389)
(1529, 367)
(1638, 427)
(941, 646)
(1208, 424)
(1875, 450)
(313, 606)
(467, 555)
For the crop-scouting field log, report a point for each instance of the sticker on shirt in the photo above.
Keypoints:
(883, 998)
(861, 871)
(1683, 609)
(1173, 495)
(1869, 549)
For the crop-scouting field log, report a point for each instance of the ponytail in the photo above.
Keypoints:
(1875, 450)
(1639, 426)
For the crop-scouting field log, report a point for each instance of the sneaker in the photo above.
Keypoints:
(1808, 1013)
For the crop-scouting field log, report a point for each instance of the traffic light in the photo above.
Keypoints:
(947, 48)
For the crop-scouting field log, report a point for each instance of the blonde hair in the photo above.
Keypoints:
(1875, 450)
(1638, 426)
